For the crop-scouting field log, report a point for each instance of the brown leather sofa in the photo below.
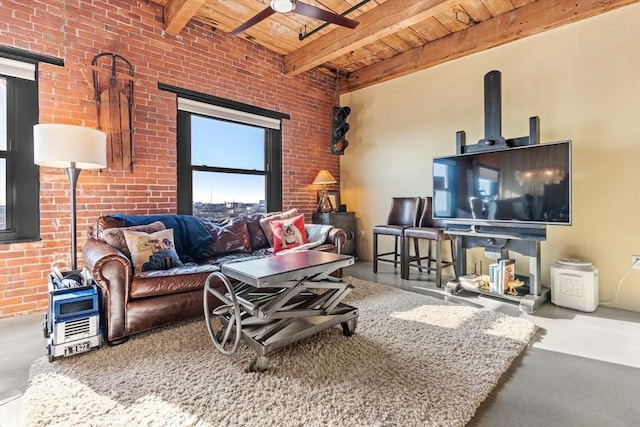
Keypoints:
(133, 302)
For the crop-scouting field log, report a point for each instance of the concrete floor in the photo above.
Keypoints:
(583, 369)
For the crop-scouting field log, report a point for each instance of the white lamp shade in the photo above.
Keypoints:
(63, 146)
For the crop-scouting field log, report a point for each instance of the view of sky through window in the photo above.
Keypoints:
(216, 143)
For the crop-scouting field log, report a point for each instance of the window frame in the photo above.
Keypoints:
(272, 155)
(25, 176)
(22, 176)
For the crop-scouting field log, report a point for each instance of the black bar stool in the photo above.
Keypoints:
(433, 232)
(404, 213)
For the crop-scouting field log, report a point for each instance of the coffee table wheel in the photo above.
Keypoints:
(259, 364)
(349, 327)
(224, 323)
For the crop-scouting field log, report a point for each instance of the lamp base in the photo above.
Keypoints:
(73, 173)
(325, 205)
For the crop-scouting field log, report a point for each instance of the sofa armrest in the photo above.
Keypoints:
(337, 237)
(112, 271)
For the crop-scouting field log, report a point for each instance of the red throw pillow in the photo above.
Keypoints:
(265, 223)
(288, 233)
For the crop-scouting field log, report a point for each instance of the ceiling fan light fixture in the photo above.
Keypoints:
(282, 6)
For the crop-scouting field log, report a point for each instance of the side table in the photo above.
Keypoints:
(344, 220)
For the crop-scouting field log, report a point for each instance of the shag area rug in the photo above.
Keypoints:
(413, 361)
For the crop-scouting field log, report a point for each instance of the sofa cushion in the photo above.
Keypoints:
(264, 222)
(288, 233)
(258, 238)
(115, 236)
(152, 251)
(227, 237)
(173, 281)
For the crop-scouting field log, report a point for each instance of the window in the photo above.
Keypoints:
(228, 168)
(229, 159)
(19, 184)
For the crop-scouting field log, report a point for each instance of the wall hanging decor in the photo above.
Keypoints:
(113, 90)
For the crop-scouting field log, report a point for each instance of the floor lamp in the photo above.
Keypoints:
(73, 148)
(323, 178)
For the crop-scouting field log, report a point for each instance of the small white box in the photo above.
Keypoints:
(574, 284)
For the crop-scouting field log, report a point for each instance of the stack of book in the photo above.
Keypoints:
(500, 273)
(470, 281)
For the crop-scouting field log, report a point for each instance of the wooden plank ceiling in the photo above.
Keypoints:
(393, 38)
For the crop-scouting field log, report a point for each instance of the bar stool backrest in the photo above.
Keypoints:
(426, 217)
(405, 211)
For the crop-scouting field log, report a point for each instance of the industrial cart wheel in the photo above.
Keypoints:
(259, 364)
(349, 327)
(223, 322)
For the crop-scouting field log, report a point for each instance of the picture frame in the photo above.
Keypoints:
(334, 199)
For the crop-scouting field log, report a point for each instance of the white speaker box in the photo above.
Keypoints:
(574, 284)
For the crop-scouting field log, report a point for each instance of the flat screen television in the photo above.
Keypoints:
(523, 185)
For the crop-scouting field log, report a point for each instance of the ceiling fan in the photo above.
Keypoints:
(285, 6)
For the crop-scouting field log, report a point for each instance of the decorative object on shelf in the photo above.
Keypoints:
(513, 285)
(73, 148)
(333, 198)
(114, 101)
(339, 142)
(325, 178)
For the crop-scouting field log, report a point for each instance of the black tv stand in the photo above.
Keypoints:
(499, 241)
(498, 238)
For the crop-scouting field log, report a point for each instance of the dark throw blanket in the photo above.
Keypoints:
(190, 237)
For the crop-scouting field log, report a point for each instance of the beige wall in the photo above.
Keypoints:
(582, 80)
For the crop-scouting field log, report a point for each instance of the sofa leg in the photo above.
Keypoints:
(118, 341)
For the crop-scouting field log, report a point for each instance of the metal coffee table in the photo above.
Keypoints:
(277, 301)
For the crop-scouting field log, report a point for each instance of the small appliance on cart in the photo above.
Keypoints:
(72, 322)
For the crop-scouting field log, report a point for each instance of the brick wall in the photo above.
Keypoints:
(199, 59)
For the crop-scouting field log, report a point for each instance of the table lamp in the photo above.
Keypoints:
(73, 148)
(323, 178)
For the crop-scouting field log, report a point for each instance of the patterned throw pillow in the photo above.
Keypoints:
(266, 221)
(115, 236)
(154, 251)
(288, 233)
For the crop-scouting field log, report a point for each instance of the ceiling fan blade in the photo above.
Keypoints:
(323, 15)
(253, 21)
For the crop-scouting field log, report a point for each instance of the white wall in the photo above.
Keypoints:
(582, 80)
